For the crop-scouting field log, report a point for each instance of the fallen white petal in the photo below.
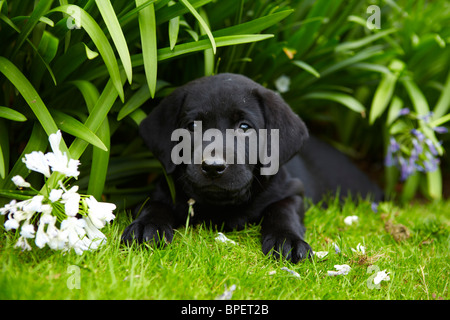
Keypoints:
(222, 238)
(350, 219)
(381, 276)
(295, 274)
(227, 294)
(320, 254)
(341, 270)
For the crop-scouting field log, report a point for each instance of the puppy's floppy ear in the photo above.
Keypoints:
(278, 115)
(157, 128)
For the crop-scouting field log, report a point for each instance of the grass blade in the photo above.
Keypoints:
(202, 23)
(100, 41)
(147, 27)
(112, 23)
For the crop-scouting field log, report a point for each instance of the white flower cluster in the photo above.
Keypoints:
(65, 220)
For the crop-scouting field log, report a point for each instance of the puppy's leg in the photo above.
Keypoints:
(154, 225)
(282, 230)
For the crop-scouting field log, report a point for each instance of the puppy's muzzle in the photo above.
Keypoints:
(214, 167)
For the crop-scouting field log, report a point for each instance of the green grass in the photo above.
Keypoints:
(195, 266)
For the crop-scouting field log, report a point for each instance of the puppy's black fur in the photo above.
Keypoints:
(231, 196)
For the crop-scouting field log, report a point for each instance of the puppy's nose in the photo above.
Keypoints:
(214, 168)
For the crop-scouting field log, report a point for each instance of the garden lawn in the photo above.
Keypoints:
(196, 266)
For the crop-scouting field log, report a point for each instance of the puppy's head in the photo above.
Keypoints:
(204, 123)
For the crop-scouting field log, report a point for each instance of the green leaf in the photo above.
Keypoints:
(38, 142)
(96, 116)
(341, 98)
(31, 97)
(174, 28)
(40, 9)
(137, 100)
(303, 65)
(91, 55)
(443, 103)
(112, 23)
(100, 41)
(434, 184)
(100, 161)
(382, 96)
(11, 114)
(185, 48)
(202, 23)
(74, 127)
(254, 26)
(417, 97)
(4, 149)
(147, 27)
(351, 45)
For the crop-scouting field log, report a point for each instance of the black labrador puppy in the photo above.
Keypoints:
(229, 193)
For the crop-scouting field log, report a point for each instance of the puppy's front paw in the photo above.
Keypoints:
(292, 247)
(140, 232)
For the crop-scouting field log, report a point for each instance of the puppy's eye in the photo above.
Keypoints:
(244, 126)
(191, 126)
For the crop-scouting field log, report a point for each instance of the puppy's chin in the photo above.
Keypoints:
(213, 194)
(218, 196)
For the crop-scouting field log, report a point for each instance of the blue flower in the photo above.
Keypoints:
(404, 112)
(440, 130)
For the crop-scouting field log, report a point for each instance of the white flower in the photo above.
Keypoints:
(381, 276)
(282, 84)
(76, 234)
(222, 238)
(320, 254)
(100, 212)
(33, 205)
(11, 224)
(71, 200)
(27, 231)
(55, 195)
(96, 237)
(23, 244)
(20, 182)
(36, 161)
(350, 219)
(58, 160)
(57, 238)
(359, 248)
(42, 237)
(60, 163)
(9, 208)
(341, 270)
